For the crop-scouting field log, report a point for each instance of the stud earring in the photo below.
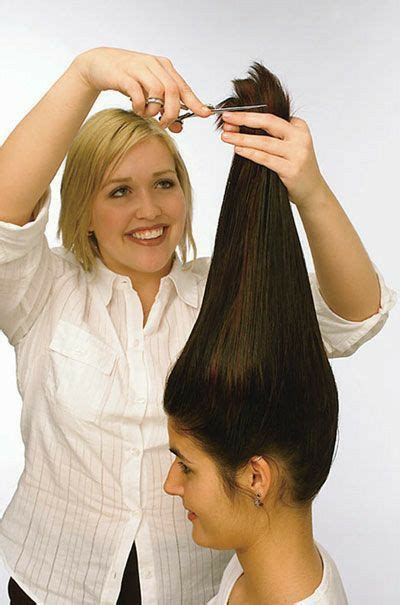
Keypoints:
(90, 233)
(257, 501)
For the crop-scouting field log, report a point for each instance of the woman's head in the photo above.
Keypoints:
(124, 173)
(253, 379)
(224, 516)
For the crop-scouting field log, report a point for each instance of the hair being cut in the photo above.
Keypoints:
(254, 378)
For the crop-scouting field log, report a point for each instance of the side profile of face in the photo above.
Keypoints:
(218, 521)
(139, 214)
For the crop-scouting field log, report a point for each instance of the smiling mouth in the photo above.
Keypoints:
(148, 234)
(148, 237)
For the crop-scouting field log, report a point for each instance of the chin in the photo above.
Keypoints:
(150, 265)
(208, 541)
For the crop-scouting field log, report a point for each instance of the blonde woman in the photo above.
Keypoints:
(97, 323)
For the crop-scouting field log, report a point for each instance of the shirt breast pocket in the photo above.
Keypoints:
(81, 371)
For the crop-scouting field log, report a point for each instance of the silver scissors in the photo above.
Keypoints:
(190, 114)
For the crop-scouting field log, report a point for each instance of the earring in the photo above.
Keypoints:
(257, 501)
(90, 233)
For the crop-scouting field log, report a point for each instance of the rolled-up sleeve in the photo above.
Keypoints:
(25, 274)
(342, 337)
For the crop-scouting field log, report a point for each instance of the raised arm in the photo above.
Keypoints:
(32, 154)
(346, 277)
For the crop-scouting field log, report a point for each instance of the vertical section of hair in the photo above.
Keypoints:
(254, 377)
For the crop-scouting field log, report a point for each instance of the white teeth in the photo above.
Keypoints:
(147, 234)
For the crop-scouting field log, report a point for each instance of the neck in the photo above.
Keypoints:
(282, 566)
(147, 286)
(145, 283)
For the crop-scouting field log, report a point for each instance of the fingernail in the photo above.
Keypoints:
(226, 114)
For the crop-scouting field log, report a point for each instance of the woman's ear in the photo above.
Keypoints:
(260, 478)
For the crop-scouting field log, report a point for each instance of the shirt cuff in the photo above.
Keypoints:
(16, 241)
(343, 337)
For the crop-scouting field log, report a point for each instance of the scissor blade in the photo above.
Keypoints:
(241, 108)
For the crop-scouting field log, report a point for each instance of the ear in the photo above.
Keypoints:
(259, 477)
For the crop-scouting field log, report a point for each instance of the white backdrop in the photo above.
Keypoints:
(340, 61)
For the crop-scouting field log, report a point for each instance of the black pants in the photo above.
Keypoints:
(130, 586)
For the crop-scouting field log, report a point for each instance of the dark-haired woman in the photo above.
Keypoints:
(277, 561)
(97, 323)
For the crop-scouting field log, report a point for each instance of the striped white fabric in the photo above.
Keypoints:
(91, 379)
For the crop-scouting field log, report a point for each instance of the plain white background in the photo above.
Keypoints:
(340, 61)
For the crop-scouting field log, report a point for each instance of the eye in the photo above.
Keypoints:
(185, 469)
(166, 184)
(120, 192)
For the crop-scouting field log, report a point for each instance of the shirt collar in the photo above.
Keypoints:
(185, 282)
(104, 279)
(181, 276)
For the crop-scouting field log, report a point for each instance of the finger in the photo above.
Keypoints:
(299, 123)
(175, 127)
(153, 87)
(172, 103)
(278, 165)
(266, 121)
(252, 141)
(186, 93)
(230, 127)
(152, 108)
(137, 96)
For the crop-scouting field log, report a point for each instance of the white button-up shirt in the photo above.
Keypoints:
(91, 378)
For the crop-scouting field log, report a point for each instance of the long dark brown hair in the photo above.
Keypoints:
(254, 378)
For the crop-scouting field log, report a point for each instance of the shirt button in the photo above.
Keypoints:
(140, 400)
(136, 343)
(135, 451)
(148, 574)
(136, 513)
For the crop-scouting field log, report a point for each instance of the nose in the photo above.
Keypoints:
(172, 484)
(147, 206)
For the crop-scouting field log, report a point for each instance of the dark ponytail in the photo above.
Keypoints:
(254, 377)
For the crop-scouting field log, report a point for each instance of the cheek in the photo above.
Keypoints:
(178, 209)
(221, 524)
(108, 221)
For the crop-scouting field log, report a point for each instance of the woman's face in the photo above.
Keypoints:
(139, 214)
(218, 522)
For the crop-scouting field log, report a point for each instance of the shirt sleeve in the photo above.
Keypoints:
(342, 337)
(25, 274)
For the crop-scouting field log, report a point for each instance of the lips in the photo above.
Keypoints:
(147, 228)
(191, 514)
(154, 237)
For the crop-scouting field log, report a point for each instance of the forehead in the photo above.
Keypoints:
(183, 443)
(144, 158)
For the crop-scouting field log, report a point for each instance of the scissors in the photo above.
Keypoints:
(190, 114)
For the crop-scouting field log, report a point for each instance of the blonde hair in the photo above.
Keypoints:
(98, 147)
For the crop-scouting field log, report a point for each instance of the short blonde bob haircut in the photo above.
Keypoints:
(98, 147)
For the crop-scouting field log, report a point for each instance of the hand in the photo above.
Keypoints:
(139, 76)
(288, 151)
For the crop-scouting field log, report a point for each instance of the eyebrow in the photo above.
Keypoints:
(174, 450)
(124, 179)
